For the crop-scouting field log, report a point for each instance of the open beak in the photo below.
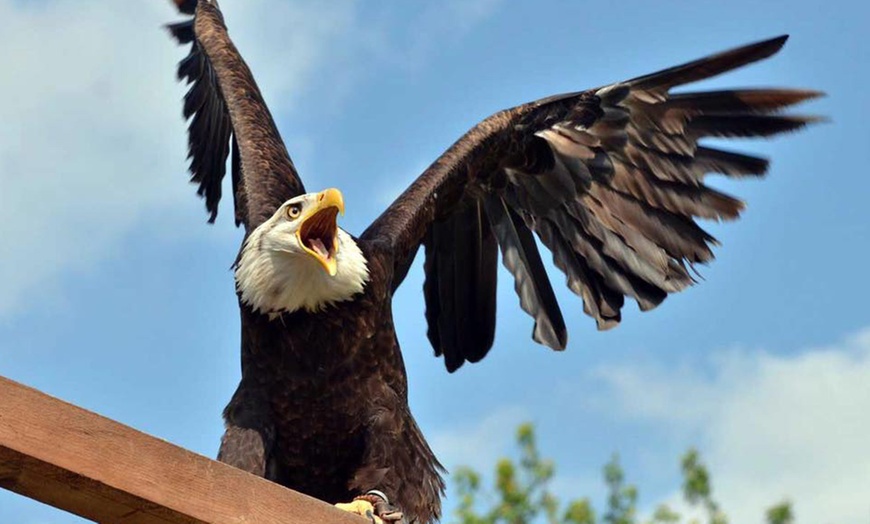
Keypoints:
(318, 234)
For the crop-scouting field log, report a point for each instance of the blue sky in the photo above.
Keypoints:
(115, 295)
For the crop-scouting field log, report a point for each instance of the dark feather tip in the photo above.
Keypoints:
(181, 31)
(187, 7)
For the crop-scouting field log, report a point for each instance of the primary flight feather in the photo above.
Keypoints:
(609, 179)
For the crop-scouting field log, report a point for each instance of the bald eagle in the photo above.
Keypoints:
(609, 179)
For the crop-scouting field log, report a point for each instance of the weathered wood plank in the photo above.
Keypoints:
(102, 470)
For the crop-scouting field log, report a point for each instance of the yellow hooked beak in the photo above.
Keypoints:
(318, 234)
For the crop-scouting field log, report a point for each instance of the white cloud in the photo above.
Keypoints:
(286, 42)
(414, 38)
(461, 15)
(92, 138)
(92, 141)
(771, 426)
(481, 444)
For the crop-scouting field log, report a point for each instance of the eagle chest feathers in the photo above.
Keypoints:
(321, 374)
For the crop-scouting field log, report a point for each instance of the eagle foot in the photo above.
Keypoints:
(374, 506)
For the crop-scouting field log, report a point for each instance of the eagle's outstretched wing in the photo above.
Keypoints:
(226, 110)
(610, 180)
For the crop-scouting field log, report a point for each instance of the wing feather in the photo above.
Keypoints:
(611, 180)
(521, 257)
(226, 111)
(460, 286)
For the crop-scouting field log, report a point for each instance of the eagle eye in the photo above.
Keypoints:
(294, 210)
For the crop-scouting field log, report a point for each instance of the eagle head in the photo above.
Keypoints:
(300, 259)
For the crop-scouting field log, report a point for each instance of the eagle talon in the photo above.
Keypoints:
(360, 507)
(374, 507)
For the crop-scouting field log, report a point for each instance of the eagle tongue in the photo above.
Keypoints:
(318, 247)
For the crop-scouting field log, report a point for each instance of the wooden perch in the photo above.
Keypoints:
(102, 470)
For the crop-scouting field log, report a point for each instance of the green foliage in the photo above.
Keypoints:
(521, 494)
(780, 514)
(621, 499)
(697, 489)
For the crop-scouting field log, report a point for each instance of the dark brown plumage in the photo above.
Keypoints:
(609, 179)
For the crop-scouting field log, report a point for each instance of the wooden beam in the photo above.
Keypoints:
(102, 470)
